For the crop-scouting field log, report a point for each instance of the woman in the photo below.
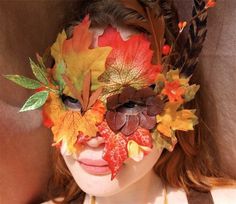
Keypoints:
(115, 162)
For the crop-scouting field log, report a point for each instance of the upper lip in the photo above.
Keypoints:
(93, 162)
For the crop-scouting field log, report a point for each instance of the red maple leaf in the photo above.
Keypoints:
(142, 137)
(115, 150)
(129, 61)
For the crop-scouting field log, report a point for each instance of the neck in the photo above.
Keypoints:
(149, 189)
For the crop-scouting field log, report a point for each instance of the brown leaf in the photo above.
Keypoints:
(131, 125)
(94, 97)
(112, 102)
(146, 121)
(115, 120)
(127, 94)
(86, 89)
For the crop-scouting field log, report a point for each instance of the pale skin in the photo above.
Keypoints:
(147, 189)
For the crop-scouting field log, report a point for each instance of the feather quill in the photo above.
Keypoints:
(151, 22)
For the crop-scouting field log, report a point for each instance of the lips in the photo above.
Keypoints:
(96, 167)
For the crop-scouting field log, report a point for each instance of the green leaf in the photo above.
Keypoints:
(39, 73)
(24, 81)
(40, 61)
(35, 101)
(58, 71)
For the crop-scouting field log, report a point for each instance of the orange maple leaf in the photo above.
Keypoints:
(173, 119)
(68, 124)
(174, 91)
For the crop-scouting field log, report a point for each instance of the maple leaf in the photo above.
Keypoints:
(79, 58)
(173, 75)
(176, 87)
(69, 124)
(119, 147)
(174, 91)
(162, 141)
(115, 150)
(173, 119)
(129, 62)
(74, 57)
(142, 137)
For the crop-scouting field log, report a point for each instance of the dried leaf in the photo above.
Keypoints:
(164, 142)
(191, 92)
(35, 101)
(68, 125)
(173, 119)
(86, 89)
(95, 95)
(24, 81)
(81, 40)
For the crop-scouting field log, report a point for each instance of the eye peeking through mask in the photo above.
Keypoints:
(132, 109)
(71, 103)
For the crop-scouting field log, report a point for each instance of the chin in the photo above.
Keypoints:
(102, 185)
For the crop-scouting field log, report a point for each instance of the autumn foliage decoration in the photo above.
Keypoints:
(114, 90)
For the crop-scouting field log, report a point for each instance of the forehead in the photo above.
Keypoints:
(125, 32)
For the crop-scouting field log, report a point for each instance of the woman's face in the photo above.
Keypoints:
(91, 171)
(93, 176)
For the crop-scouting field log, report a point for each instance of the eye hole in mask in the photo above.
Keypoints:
(71, 103)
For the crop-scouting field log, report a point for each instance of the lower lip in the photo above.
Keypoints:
(96, 170)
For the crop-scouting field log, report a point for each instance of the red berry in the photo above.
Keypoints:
(166, 50)
(40, 89)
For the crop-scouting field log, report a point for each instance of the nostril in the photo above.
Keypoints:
(96, 141)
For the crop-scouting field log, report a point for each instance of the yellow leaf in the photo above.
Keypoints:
(136, 151)
(172, 119)
(78, 65)
(67, 124)
(173, 75)
(56, 49)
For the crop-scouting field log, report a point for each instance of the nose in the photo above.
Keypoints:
(96, 141)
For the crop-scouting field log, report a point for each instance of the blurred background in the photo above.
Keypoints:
(30, 26)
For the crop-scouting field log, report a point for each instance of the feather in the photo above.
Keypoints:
(151, 21)
(196, 38)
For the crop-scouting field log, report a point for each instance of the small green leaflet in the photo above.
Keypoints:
(40, 61)
(24, 81)
(35, 101)
(39, 72)
(58, 72)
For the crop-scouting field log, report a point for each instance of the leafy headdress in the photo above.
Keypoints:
(132, 92)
